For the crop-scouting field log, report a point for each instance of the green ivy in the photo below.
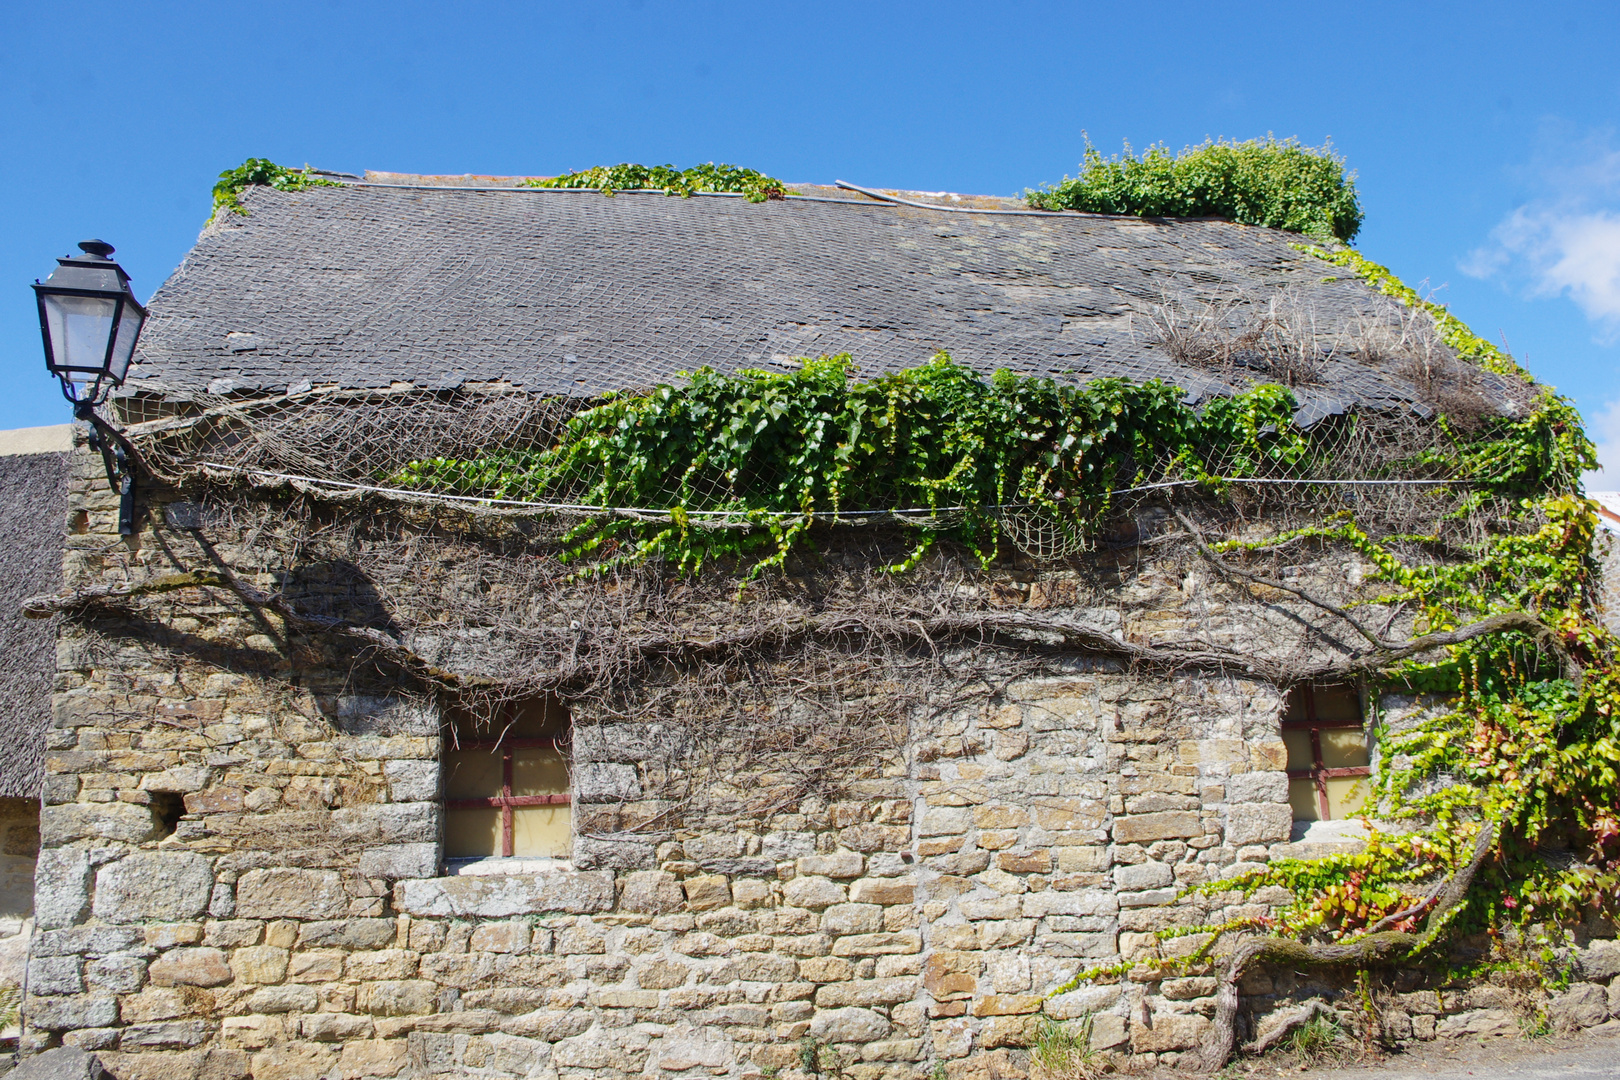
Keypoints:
(1279, 184)
(232, 182)
(756, 186)
(781, 451)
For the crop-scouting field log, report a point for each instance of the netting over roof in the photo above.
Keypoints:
(570, 293)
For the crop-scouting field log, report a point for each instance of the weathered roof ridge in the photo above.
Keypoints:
(566, 292)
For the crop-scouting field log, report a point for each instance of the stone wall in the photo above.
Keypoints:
(241, 836)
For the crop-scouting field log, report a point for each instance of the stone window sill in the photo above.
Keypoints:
(498, 864)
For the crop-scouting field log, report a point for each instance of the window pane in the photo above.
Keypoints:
(1299, 749)
(470, 834)
(1302, 798)
(541, 830)
(537, 718)
(472, 774)
(539, 770)
(1347, 796)
(1344, 748)
(1337, 703)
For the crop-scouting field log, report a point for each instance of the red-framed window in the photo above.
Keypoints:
(506, 783)
(1329, 761)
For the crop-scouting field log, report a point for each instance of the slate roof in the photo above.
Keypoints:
(33, 504)
(572, 293)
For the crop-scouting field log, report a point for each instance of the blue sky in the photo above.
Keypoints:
(1485, 134)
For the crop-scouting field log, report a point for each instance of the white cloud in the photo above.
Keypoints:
(1566, 241)
(1604, 428)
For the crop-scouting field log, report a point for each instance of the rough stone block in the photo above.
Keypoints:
(706, 892)
(259, 964)
(293, 1061)
(287, 893)
(498, 937)
(348, 934)
(1080, 902)
(412, 781)
(849, 1025)
(71, 1011)
(889, 890)
(395, 861)
(1007, 1005)
(1477, 1022)
(944, 821)
(603, 782)
(1600, 960)
(852, 919)
(1583, 1005)
(334, 1027)
(867, 993)
(840, 864)
(512, 894)
(812, 892)
(389, 823)
(284, 999)
(1169, 825)
(651, 892)
(200, 966)
(1169, 1031)
(1070, 813)
(55, 975)
(381, 1058)
(163, 1035)
(404, 997)
(1258, 823)
(87, 941)
(122, 821)
(153, 886)
(899, 942)
(62, 1063)
(117, 974)
(1148, 875)
(61, 887)
(1257, 787)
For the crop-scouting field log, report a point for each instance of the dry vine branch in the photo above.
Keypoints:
(1386, 651)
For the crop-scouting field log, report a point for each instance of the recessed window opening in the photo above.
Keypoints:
(506, 783)
(1329, 761)
(168, 807)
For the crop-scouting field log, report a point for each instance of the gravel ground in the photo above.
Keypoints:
(1594, 1054)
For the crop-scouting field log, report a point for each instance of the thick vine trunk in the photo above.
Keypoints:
(1369, 949)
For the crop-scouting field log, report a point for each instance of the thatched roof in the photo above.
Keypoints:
(33, 505)
(570, 293)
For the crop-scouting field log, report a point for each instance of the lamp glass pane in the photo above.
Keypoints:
(129, 329)
(79, 328)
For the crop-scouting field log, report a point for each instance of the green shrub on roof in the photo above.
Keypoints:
(756, 186)
(1280, 184)
(262, 171)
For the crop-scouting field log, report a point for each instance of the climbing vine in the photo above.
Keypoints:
(779, 452)
(1280, 184)
(610, 179)
(262, 171)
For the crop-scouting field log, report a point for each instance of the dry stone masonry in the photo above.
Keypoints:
(240, 876)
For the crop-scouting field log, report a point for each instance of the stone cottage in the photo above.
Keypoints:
(347, 779)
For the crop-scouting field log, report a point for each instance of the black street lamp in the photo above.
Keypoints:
(90, 320)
